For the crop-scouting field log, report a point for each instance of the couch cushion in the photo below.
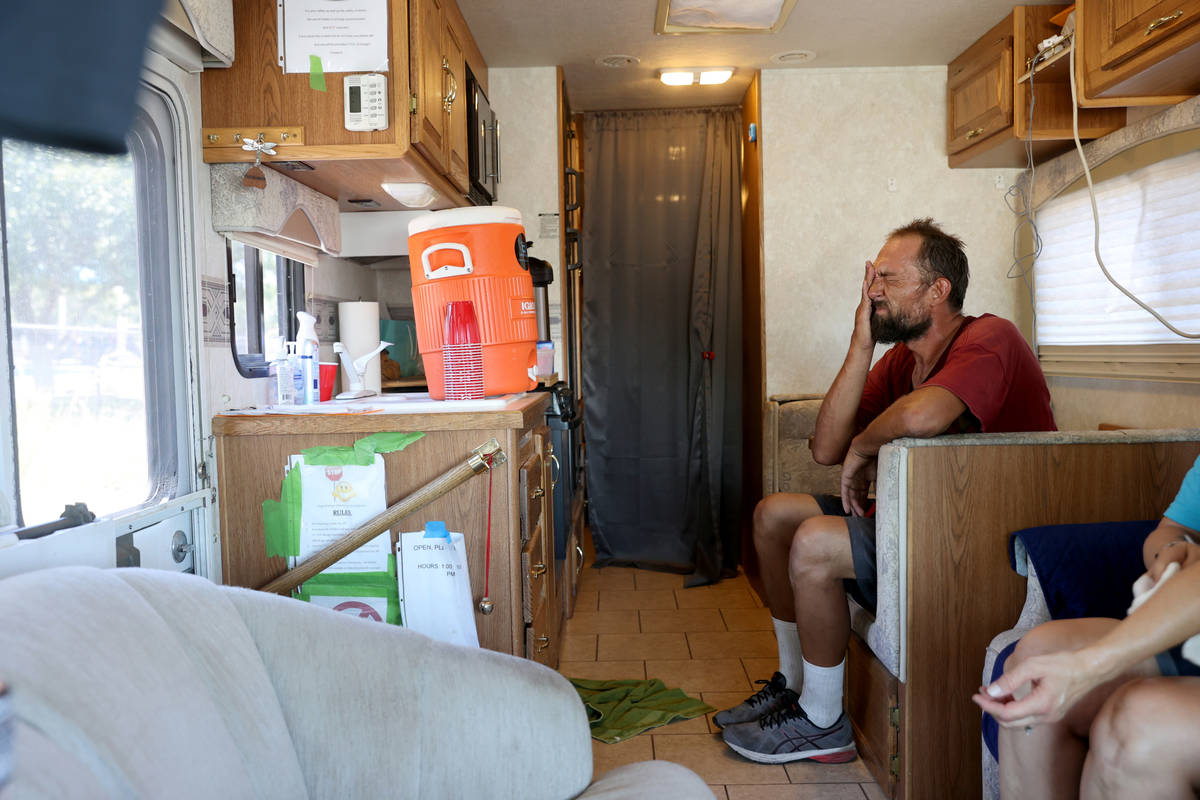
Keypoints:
(795, 469)
(380, 711)
(147, 680)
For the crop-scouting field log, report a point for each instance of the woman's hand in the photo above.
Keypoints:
(1057, 680)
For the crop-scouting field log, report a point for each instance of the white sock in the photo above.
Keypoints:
(821, 698)
(791, 662)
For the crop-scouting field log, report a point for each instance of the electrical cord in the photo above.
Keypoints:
(1026, 215)
(1087, 173)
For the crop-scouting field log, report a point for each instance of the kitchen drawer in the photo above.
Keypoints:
(533, 494)
(537, 574)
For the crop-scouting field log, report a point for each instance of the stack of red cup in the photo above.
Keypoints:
(462, 352)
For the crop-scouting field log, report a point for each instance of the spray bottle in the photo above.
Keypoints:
(309, 348)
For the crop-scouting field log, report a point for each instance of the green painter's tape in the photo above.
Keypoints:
(363, 452)
(281, 518)
(316, 74)
(355, 584)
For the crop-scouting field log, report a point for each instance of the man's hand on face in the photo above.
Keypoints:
(862, 316)
(858, 471)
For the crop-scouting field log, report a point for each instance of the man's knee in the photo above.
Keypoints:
(777, 516)
(820, 548)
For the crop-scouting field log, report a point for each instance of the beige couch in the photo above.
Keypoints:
(136, 683)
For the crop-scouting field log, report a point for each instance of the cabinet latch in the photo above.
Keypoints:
(412, 103)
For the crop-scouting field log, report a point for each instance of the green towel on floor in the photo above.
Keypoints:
(620, 710)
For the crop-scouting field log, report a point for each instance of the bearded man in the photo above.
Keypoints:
(947, 373)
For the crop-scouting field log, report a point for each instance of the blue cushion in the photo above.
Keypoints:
(991, 728)
(1086, 570)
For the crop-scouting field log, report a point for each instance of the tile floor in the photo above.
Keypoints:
(711, 641)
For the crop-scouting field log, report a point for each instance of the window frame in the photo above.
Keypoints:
(290, 298)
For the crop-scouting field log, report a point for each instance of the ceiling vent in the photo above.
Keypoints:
(793, 58)
(617, 61)
(722, 16)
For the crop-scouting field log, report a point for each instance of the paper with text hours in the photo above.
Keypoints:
(346, 35)
(435, 587)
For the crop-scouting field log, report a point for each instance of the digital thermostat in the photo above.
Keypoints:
(366, 102)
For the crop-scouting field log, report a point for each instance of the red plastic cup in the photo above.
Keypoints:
(328, 376)
(462, 353)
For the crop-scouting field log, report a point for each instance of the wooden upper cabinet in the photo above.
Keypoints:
(990, 96)
(979, 88)
(430, 82)
(1133, 26)
(456, 125)
(429, 46)
(1138, 52)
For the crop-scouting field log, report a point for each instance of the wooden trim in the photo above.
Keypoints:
(1173, 363)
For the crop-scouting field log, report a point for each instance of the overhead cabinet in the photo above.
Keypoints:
(1138, 52)
(429, 50)
(990, 89)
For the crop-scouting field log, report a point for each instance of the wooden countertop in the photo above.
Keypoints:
(525, 412)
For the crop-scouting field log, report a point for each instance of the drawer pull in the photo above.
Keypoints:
(538, 492)
(537, 570)
(1158, 23)
(971, 134)
(579, 560)
(541, 643)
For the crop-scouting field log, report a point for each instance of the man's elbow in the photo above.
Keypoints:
(825, 456)
(919, 423)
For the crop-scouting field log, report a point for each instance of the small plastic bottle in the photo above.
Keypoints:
(309, 347)
(281, 390)
(293, 359)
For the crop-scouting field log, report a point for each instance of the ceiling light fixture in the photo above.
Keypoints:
(712, 77)
(677, 77)
(412, 195)
(722, 16)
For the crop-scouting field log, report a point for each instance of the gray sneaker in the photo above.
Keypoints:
(772, 697)
(789, 735)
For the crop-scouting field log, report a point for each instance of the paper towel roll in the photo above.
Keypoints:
(358, 327)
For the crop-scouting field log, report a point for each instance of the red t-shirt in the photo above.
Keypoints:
(988, 366)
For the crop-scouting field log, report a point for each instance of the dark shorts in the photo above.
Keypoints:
(862, 549)
(1172, 663)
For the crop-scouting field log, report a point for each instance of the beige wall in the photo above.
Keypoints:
(526, 105)
(830, 141)
(1084, 403)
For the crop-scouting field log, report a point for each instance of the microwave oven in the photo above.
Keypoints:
(483, 145)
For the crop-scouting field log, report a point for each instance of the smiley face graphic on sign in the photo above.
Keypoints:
(343, 490)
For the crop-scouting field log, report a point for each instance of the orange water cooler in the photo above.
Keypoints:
(476, 254)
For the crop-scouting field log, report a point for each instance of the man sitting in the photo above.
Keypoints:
(948, 373)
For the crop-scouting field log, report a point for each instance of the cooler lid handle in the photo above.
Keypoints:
(448, 270)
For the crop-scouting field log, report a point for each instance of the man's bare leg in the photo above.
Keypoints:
(818, 562)
(1047, 761)
(777, 517)
(1144, 742)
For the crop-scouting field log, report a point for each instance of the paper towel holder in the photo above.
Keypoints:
(357, 370)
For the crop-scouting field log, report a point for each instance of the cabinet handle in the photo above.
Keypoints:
(579, 560)
(537, 570)
(971, 134)
(538, 492)
(542, 642)
(554, 480)
(1158, 23)
(448, 100)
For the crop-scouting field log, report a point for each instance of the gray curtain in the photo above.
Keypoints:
(662, 339)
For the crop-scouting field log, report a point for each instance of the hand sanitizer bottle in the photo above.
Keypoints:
(309, 348)
(280, 385)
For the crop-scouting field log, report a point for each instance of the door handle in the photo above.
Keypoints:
(1158, 23)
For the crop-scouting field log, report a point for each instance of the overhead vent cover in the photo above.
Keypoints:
(722, 16)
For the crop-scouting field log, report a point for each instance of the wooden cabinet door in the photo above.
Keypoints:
(1130, 27)
(456, 123)
(429, 76)
(980, 89)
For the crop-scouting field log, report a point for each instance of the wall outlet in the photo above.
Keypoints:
(891, 184)
(1001, 183)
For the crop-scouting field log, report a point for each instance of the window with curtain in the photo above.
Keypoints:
(1150, 243)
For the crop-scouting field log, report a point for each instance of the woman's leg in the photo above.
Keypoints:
(1145, 742)
(1046, 760)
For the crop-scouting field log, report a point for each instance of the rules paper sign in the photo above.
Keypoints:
(334, 501)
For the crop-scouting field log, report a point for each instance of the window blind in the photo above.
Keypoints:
(1150, 242)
